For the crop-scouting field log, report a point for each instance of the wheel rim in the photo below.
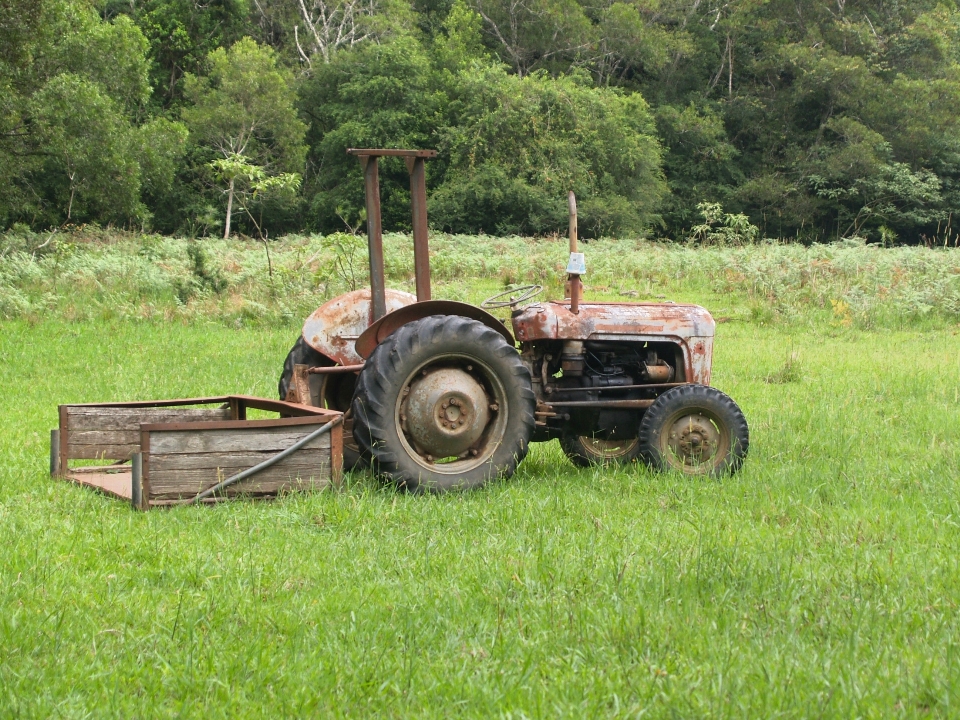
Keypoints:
(695, 441)
(451, 414)
(607, 450)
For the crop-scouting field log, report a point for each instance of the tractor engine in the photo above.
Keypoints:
(578, 379)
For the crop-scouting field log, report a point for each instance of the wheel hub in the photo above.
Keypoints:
(694, 439)
(445, 413)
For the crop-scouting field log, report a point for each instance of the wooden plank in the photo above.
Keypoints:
(105, 437)
(271, 489)
(187, 483)
(312, 420)
(158, 403)
(102, 452)
(108, 418)
(190, 482)
(230, 440)
(305, 457)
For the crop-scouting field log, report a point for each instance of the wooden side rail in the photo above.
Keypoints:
(181, 460)
(104, 432)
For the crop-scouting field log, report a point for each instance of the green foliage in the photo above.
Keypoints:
(73, 143)
(815, 122)
(181, 34)
(519, 144)
(720, 228)
(206, 277)
(510, 147)
(382, 95)
(245, 106)
(91, 273)
(343, 260)
(243, 112)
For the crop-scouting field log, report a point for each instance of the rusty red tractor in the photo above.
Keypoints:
(441, 395)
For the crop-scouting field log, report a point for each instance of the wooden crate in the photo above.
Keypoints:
(179, 448)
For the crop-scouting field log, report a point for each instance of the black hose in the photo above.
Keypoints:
(262, 466)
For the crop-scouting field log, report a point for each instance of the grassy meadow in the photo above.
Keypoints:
(822, 580)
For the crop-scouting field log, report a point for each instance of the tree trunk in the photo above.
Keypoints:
(226, 227)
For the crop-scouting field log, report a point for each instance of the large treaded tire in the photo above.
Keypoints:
(695, 429)
(302, 354)
(438, 343)
(584, 451)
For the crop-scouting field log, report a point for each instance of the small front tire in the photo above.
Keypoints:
(695, 429)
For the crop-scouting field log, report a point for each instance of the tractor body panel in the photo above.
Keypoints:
(690, 327)
(334, 327)
(394, 320)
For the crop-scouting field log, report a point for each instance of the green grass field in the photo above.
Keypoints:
(823, 580)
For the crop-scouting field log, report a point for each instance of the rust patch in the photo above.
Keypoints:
(334, 327)
(689, 326)
(390, 323)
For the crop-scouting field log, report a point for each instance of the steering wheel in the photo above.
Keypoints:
(526, 292)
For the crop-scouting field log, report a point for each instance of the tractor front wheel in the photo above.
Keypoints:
(695, 429)
(444, 404)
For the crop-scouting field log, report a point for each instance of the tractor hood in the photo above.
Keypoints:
(688, 326)
(612, 321)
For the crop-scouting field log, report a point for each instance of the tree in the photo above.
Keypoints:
(74, 86)
(181, 33)
(244, 108)
(251, 184)
(517, 145)
(530, 33)
(329, 25)
(372, 96)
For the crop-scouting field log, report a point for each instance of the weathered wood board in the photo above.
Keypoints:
(96, 433)
(182, 463)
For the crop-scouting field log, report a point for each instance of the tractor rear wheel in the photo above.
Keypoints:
(336, 395)
(444, 404)
(584, 451)
(695, 429)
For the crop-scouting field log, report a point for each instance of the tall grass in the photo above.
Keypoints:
(823, 580)
(95, 275)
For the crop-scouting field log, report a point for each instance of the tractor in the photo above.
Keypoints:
(441, 395)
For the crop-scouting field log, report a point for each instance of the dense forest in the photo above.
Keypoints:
(807, 119)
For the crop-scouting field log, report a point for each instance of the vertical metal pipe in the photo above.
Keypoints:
(55, 452)
(136, 480)
(418, 204)
(574, 280)
(371, 181)
(572, 203)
